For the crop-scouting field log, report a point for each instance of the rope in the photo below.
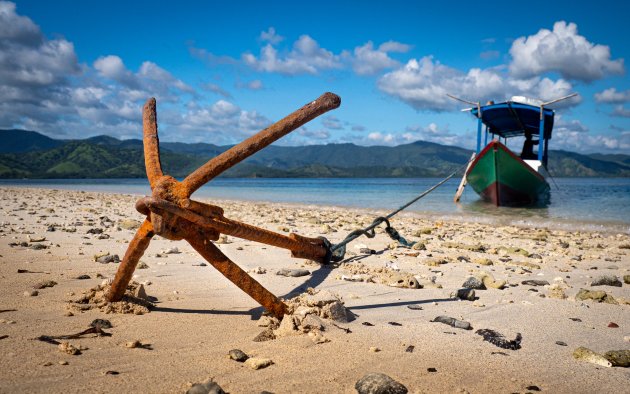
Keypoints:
(339, 250)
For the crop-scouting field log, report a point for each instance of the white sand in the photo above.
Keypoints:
(201, 315)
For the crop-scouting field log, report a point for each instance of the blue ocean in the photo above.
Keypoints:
(601, 204)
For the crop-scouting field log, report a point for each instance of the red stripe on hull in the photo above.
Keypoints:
(502, 195)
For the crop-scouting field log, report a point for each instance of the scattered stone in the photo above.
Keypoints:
(618, 358)
(465, 294)
(560, 343)
(108, 258)
(317, 337)
(66, 347)
(474, 283)
(63, 362)
(415, 307)
(133, 344)
(44, 284)
(431, 370)
(258, 362)
(451, 321)
(613, 325)
(374, 349)
(266, 335)
(83, 277)
(140, 293)
(419, 246)
(170, 251)
(102, 323)
(379, 383)
(36, 239)
(293, 272)
(626, 279)
(31, 293)
(393, 323)
(142, 265)
(368, 324)
(535, 282)
(598, 296)
(112, 373)
(410, 349)
(606, 280)
(258, 270)
(129, 224)
(590, 356)
(238, 355)
(497, 339)
(95, 230)
(207, 387)
(404, 280)
(489, 281)
(96, 298)
(533, 388)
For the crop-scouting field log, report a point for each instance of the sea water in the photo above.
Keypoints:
(601, 204)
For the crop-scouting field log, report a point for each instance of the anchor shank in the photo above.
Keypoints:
(235, 273)
(253, 144)
(135, 250)
(311, 248)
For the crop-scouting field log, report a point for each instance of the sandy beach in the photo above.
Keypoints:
(534, 280)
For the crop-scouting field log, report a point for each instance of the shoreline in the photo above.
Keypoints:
(200, 316)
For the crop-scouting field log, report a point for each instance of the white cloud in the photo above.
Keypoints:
(271, 36)
(332, 122)
(612, 96)
(394, 46)
(214, 88)
(255, 84)
(563, 51)
(424, 84)
(112, 67)
(306, 57)
(369, 61)
(622, 111)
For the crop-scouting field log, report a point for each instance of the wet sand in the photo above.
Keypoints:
(200, 316)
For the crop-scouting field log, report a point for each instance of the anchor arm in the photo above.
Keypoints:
(135, 250)
(234, 273)
(253, 144)
(151, 142)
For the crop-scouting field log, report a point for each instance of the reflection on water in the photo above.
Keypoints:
(576, 203)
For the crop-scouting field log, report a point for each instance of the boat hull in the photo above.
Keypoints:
(502, 178)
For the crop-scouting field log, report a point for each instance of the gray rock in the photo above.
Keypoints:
(535, 282)
(207, 387)
(618, 358)
(379, 383)
(110, 258)
(293, 272)
(626, 279)
(238, 355)
(44, 284)
(606, 280)
(474, 283)
(337, 312)
(451, 321)
(129, 224)
(466, 294)
(258, 362)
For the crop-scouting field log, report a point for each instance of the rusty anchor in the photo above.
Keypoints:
(171, 213)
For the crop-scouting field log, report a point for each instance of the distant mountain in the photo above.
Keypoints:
(17, 141)
(32, 155)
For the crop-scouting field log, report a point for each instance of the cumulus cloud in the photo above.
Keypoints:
(214, 88)
(369, 61)
(574, 136)
(620, 110)
(612, 96)
(563, 51)
(424, 85)
(332, 122)
(271, 36)
(306, 57)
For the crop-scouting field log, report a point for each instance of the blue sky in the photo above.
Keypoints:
(221, 72)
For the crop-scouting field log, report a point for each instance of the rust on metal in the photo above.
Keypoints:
(173, 215)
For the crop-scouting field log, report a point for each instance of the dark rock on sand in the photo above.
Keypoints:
(474, 283)
(606, 280)
(466, 294)
(207, 387)
(293, 272)
(378, 383)
(238, 355)
(535, 282)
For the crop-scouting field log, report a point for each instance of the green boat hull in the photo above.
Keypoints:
(502, 178)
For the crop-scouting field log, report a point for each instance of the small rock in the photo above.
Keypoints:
(170, 251)
(626, 279)
(31, 293)
(109, 258)
(317, 337)
(419, 246)
(451, 321)
(560, 343)
(83, 277)
(141, 293)
(337, 312)
(266, 335)
(618, 358)
(606, 280)
(258, 270)
(533, 388)
(66, 347)
(142, 265)
(63, 362)
(379, 383)
(133, 344)
(465, 294)
(613, 325)
(474, 283)
(258, 362)
(238, 355)
(590, 356)
(293, 272)
(431, 369)
(44, 284)
(535, 282)
(483, 261)
(207, 387)
(374, 349)
(102, 323)
(129, 224)
(599, 296)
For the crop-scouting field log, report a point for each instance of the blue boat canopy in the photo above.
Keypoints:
(513, 119)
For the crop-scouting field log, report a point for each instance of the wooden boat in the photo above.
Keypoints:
(499, 175)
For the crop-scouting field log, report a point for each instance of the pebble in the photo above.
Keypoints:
(293, 272)
(66, 347)
(613, 325)
(474, 283)
(451, 321)
(374, 349)
(44, 284)
(606, 280)
(626, 279)
(379, 383)
(207, 387)
(590, 356)
(560, 343)
(258, 362)
(535, 282)
(109, 258)
(465, 294)
(258, 270)
(618, 358)
(129, 224)
(63, 362)
(595, 295)
(266, 335)
(31, 293)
